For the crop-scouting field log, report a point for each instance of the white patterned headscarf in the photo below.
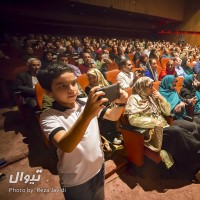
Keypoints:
(102, 82)
(140, 101)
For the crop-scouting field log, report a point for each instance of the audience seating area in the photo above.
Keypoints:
(133, 137)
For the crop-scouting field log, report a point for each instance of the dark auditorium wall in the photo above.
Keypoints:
(69, 17)
(172, 9)
(189, 28)
(128, 18)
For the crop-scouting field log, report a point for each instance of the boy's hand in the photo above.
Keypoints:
(93, 105)
(123, 97)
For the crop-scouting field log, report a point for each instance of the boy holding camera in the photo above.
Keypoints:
(72, 125)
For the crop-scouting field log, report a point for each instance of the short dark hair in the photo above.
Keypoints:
(123, 62)
(53, 71)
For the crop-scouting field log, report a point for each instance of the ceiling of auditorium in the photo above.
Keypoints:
(68, 15)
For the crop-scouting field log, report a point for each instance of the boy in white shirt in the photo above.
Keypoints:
(72, 125)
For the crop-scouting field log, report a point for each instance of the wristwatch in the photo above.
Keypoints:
(119, 105)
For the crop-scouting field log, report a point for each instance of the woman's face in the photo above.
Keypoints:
(150, 89)
(170, 65)
(154, 65)
(146, 59)
(93, 80)
(173, 87)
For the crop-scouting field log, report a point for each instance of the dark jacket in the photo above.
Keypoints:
(23, 83)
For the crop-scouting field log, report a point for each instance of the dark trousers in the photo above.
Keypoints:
(91, 190)
(181, 143)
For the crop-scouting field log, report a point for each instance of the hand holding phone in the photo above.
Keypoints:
(111, 93)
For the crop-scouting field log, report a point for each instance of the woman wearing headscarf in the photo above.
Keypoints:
(110, 130)
(146, 108)
(191, 89)
(169, 70)
(167, 89)
(143, 61)
(95, 78)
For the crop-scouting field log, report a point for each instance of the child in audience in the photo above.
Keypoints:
(72, 126)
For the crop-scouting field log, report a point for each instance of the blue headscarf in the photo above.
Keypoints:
(197, 105)
(188, 80)
(171, 95)
(187, 83)
(165, 90)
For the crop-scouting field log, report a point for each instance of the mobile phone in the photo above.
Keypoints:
(111, 93)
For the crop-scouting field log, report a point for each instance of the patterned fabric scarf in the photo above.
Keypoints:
(141, 102)
(101, 80)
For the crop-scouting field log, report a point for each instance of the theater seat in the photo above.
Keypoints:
(134, 143)
(83, 81)
(112, 75)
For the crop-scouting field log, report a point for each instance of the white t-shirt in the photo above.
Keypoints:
(86, 160)
(125, 79)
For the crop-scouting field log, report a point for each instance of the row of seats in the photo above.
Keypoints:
(133, 137)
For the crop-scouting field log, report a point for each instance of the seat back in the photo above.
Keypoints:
(112, 75)
(133, 142)
(39, 91)
(164, 62)
(179, 83)
(112, 66)
(39, 98)
(156, 84)
(83, 81)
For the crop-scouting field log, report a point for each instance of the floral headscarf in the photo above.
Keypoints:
(140, 101)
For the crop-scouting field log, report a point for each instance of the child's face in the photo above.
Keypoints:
(65, 89)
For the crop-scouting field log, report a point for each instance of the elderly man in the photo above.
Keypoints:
(26, 81)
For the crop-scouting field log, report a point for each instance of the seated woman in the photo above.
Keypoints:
(143, 62)
(109, 129)
(146, 108)
(167, 88)
(169, 70)
(191, 89)
(151, 70)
